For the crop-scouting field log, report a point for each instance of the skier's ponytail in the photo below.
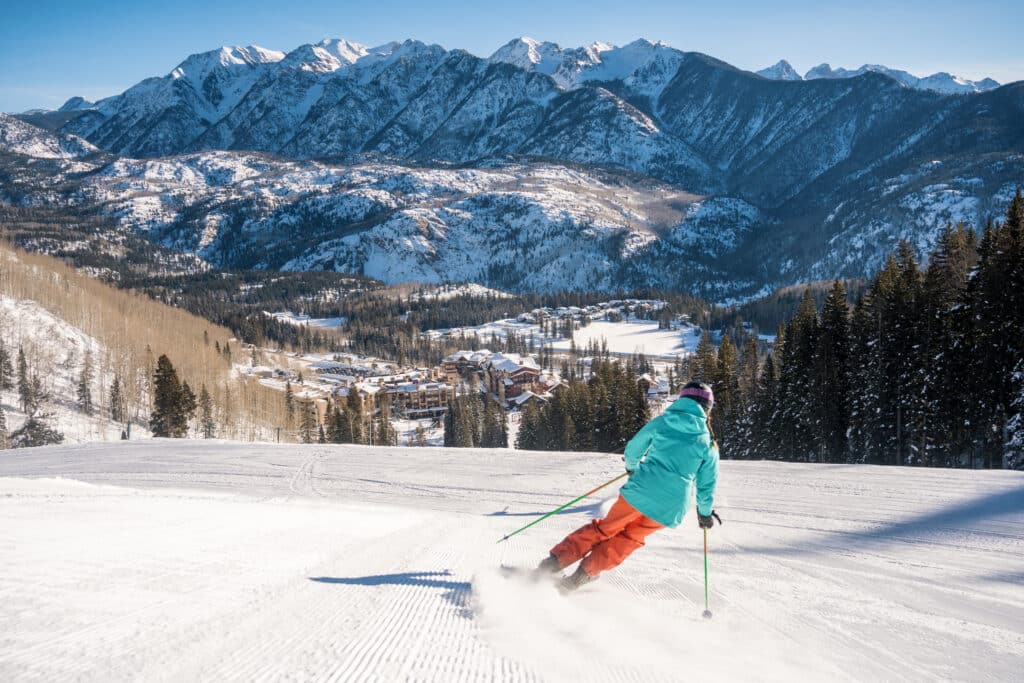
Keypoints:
(711, 430)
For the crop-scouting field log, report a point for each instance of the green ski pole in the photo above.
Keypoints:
(559, 509)
(707, 611)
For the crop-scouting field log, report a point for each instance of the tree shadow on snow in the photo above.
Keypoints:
(960, 517)
(456, 592)
(1011, 577)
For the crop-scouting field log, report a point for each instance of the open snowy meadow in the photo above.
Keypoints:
(212, 561)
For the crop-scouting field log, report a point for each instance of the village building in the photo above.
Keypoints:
(454, 365)
(508, 375)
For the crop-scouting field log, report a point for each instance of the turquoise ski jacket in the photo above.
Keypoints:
(668, 456)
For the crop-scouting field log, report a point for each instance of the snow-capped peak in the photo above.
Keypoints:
(346, 51)
(781, 71)
(198, 66)
(18, 137)
(644, 65)
(77, 104)
(326, 56)
(528, 53)
(940, 82)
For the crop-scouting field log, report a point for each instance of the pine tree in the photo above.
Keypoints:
(84, 390)
(831, 376)
(345, 422)
(6, 368)
(169, 417)
(765, 437)
(189, 403)
(944, 333)
(491, 436)
(307, 422)
(25, 397)
(206, 421)
(386, 434)
(726, 387)
(117, 407)
(526, 439)
(321, 436)
(4, 436)
(1013, 449)
(354, 409)
(704, 362)
(35, 432)
(289, 401)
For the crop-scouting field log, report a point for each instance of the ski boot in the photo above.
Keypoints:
(578, 578)
(549, 565)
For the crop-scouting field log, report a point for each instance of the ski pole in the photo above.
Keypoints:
(707, 610)
(559, 509)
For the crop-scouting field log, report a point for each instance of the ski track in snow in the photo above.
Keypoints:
(211, 561)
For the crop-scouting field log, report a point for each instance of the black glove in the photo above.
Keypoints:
(708, 521)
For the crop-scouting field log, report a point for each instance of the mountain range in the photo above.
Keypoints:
(941, 82)
(797, 179)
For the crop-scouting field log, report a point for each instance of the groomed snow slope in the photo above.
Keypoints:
(217, 561)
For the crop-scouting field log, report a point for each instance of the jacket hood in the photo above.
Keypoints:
(686, 416)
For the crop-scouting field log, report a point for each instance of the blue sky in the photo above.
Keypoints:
(50, 51)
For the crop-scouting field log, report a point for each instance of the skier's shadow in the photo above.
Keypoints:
(456, 592)
(592, 509)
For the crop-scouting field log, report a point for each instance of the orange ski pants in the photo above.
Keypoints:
(605, 543)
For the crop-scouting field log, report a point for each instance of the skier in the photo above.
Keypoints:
(664, 460)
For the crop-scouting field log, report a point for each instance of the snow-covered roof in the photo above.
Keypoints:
(511, 362)
(526, 396)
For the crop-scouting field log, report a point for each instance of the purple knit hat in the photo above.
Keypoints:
(699, 392)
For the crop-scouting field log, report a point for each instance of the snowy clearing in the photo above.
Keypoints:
(636, 336)
(190, 560)
(301, 320)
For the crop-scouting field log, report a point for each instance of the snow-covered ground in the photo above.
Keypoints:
(450, 291)
(636, 336)
(626, 335)
(55, 350)
(301, 320)
(190, 560)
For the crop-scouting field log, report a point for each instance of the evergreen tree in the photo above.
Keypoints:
(321, 436)
(494, 434)
(289, 401)
(117, 406)
(767, 415)
(6, 368)
(84, 390)
(386, 434)
(354, 410)
(799, 413)
(189, 402)
(944, 332)
(726, 386)
(25, 397)
(704, 362)
(4, 436)
(206, 422)
(35, 432)
(339, 429)
(307, 422)
(526, 439)
(831, 376)
(169, 417)
(1013, 453)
